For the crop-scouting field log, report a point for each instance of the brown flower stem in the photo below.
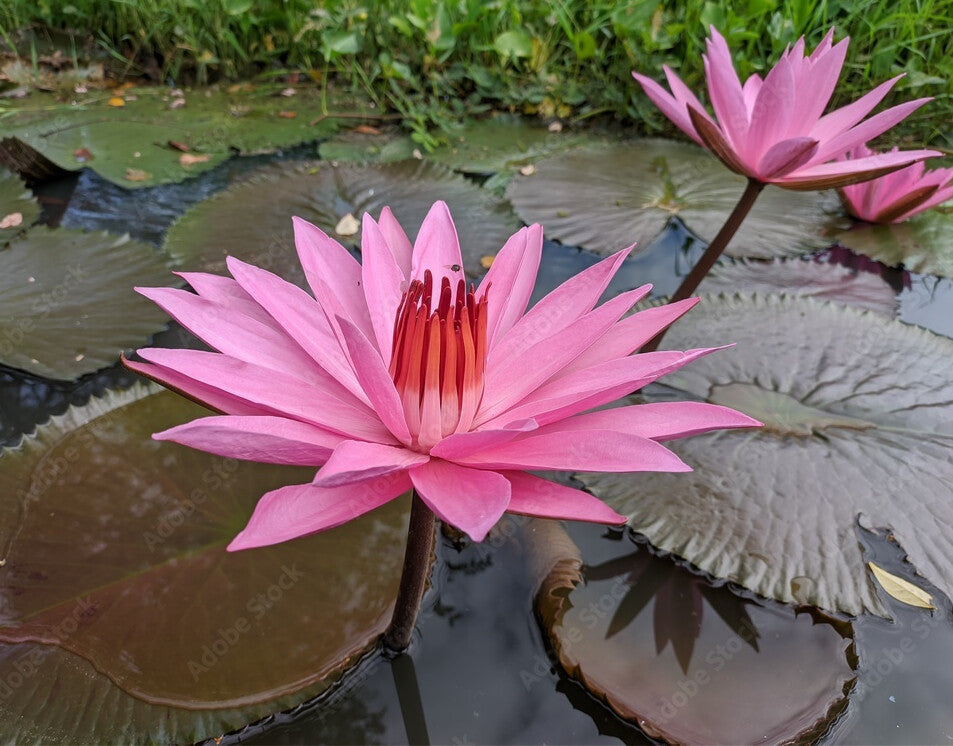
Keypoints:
(715, 248)
(413, 579)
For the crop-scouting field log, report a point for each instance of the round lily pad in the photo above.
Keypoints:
(605, 198)
(18, 209)
(114, 551)
(806, 277)
(858, 414)
(253, 220)
(357, 146)
(924, 243)
(688, 661)
(67, 304)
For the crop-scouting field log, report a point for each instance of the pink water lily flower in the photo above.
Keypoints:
(774, 130)
(396, 375)
(897, 196)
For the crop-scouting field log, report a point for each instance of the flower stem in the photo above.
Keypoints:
(413, 579)
(714, 250)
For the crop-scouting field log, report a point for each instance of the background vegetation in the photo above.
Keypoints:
(436, 61)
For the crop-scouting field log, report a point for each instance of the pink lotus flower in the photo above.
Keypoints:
(772, 130)
(396, 375)
(897, 196)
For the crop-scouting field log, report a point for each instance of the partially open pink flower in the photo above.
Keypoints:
(395, 374)
(774, 130)
(896, 196)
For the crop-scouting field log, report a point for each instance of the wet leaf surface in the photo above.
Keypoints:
(67, 304)
(858, 425)
(114, 548)
(367, 147)
(18, 208)
(253, 220)
(922, 244)
(605, 198)
(722, 669)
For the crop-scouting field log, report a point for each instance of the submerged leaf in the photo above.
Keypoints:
(605, 198)
(18, 209)
(901, 589)
(858, 414)
(922, 244)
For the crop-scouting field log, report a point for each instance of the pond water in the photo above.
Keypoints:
(480, 669)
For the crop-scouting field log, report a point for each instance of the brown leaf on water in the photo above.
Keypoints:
(82, 155)
(902, 590)
(347, 226)
(187, 159)
(116, 101)
(177, 103)
(137, 174)
(181, 146)
(12, 220)
(285, 114)
(486, 261)
(366, 129)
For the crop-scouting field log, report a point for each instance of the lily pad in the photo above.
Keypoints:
(858, 414)
(922, 244)
(605, 198)
(737, 671)
(253, 220)
(156, 137)
(805, 277)
(18, 209)
(67, 306)
(499, 143)
(114, 549)
(367, 147)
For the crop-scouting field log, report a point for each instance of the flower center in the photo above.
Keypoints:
(439, 357)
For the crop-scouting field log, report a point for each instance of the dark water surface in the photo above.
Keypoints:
(479, 670)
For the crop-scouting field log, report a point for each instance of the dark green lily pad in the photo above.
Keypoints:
(18, 209)
(67, 304)
(365, 147)
(500, 143)
(806, 277)
(858, 414)
(140, 142)
(253, 220)
(605, 198)
(114, 551)
(754, 672)
(924, 243)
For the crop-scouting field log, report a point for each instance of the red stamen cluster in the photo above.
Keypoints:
(439, 358)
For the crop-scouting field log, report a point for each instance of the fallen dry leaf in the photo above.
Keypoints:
(12, 220)
(528, 170)
(180, 146)
(347, 226)
(136, 174)
(187, 159)
(82, 155)
(288, 92)
(177, 103)
(287, 114)
(116, 101)
(366, 129)
(555, 127)
(902, 590)
(486, 261)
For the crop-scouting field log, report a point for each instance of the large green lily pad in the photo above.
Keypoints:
(114, 552)
(140, 143)
(753, 672)
(18, 209)
(604, 198)
(253, 220)
(806, 277)
(362, 146)
(858, 414)
(67, 304)
(922, 244)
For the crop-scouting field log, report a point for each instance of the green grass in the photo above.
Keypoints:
(437, 61)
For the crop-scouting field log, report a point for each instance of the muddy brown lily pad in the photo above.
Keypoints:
(114, 548)
(18, 209)
(858, 414)
(605, 198)
(67, 306)
(252, 220)
(736, 671)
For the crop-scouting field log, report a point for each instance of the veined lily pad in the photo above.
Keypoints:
(114, 549)
(155, 137)
(924, 243)
(366, 147)
(737, 671)
(18, 209)
(858, 414)
(604, 198)
(804, 277)
(253, 220)
(67, 306)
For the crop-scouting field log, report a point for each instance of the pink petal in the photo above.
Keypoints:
(301, 509)
(459, 445)
(470, 499)
(714, 139)
(842, 119)
(226, 292)
(669, 106)
(540, 497)
(512, 277)
(588, 450)
(437, 247)
(357, 461)
(771, 116)
(397, 240)
(724, 90)
(384, 285)
(843, 173)
(867, 130)
(786, 156)
(266, 439)
(815, 93)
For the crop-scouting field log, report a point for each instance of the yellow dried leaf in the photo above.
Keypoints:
(12, 220)
(116, 101)
(287, 114)
(902, 590)
(528, 170)
(486, 261)
(347, 226)
(187, 159)
(136, 174)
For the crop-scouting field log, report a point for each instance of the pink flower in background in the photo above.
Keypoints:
(397, 375)
(774, 130)
(896, 196)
